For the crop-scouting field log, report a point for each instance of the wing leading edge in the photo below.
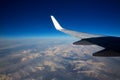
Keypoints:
(111, 44)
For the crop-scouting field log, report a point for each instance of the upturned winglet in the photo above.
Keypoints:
(56, 24)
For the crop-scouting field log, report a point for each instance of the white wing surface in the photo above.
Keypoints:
(80, 35)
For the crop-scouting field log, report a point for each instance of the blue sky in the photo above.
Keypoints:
(31, 18)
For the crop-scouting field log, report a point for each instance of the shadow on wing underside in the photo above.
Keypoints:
(111, 45)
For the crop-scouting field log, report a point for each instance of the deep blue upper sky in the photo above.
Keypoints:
(25, 18)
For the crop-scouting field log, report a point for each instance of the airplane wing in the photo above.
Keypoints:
(111, 44)
(80, 35)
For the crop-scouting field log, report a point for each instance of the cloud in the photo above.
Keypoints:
(53, 66)
(40, 68)
(26, 51)
(75, 62)
(5, 77)
(29, 57)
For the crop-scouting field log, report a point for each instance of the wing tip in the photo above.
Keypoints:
(51, 16)
(56, 24)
